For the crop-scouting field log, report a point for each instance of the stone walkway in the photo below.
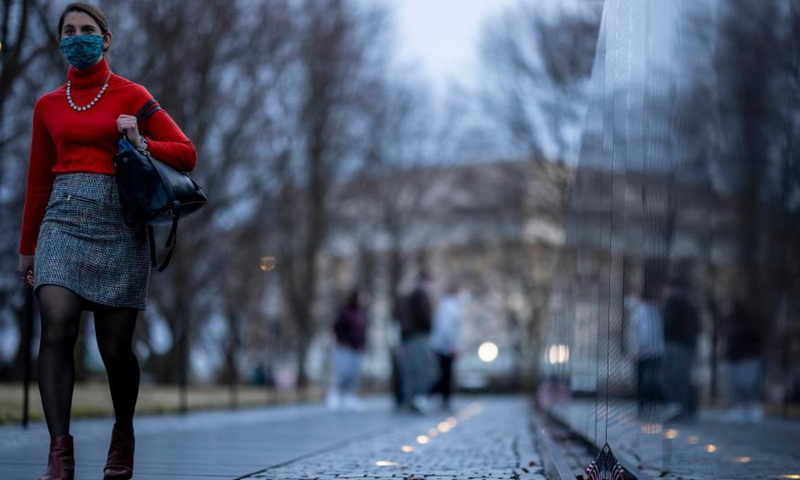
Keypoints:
(484, 438)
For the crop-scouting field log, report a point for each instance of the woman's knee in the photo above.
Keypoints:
(111, 350)
(59, 331)
(114, 331)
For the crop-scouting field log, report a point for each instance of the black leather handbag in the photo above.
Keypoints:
(152, 193)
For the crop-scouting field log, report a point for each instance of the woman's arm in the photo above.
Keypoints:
(40, 183)
(167, 142)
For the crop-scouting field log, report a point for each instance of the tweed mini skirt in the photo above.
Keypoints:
(85, 246)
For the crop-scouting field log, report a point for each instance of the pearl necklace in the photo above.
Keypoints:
(90, 104)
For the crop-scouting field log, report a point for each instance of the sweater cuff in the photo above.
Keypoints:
(27, 249)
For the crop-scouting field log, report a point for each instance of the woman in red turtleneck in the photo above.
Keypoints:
(75, 249)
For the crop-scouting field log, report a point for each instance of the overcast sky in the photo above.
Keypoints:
(441, 36)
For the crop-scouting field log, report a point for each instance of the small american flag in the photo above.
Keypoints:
(607, 467)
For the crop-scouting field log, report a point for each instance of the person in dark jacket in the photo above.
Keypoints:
(744, 348)
(681, 329)
(350, 330)
(416, 364)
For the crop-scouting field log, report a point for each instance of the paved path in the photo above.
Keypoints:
(701, 450)
(712, 449)
(486, 438)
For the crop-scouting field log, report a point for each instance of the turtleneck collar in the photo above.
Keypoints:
(94, 76)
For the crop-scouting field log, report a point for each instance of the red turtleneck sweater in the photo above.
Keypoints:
(68, 141)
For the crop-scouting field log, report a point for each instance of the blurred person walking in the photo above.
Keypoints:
(350, 330)
(743, 351)
(644, 341)
(446, 340)
(394, 340)
(75, 249)
(416, 361)
(681, 329)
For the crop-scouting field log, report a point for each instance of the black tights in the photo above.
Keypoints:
(61, 311)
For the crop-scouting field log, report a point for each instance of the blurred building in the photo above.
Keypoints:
(494, 227)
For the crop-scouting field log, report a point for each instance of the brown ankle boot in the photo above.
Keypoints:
(61, 460)
(119, 465)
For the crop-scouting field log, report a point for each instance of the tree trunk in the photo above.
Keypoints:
(16, 370)
(395, 275)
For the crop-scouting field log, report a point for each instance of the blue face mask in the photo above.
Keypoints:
(82, 51)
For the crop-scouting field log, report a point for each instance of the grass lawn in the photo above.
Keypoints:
(93, 399)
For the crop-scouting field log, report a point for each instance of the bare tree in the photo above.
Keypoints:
(27, 35)
(757, 162)
(27, 62)
(338, 58)
(537, 66)
(400, 166)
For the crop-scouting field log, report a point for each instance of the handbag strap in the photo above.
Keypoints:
(148, 109)
(172, 240)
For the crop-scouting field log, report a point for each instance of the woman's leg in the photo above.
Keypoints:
(114, 328)
(357, 360)
(347, 370)
(333, 397)
(438, 385)
(61, 313)
(446, 366)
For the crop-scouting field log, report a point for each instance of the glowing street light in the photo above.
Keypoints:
(557, 354)
(488, 352)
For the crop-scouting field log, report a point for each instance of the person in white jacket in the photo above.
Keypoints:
(446, 340)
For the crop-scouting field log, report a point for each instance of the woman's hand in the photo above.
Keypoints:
(127, 125)
(25, 268)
